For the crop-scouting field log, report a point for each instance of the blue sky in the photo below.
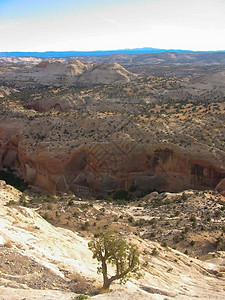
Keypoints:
(45, 25)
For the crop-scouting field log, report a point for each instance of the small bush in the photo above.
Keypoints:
(49, 207)
(85, 226)
(153, 234)
(121, 195)
(80, 285)
(192, 243)
(164, 244)
(193, 219)
(81, 297)
(131, 219)
(70, 202)
(155, 252)
(10, 203)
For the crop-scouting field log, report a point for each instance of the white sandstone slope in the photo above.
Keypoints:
(60, 73)
(106, 74)
(31, 235)
(25, 236)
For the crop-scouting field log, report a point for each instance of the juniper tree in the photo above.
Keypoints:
(109, 249)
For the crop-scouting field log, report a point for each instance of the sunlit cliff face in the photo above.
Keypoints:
(110, 166)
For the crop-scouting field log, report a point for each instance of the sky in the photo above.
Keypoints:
(86, 25)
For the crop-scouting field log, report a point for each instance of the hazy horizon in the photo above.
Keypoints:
(102, 25)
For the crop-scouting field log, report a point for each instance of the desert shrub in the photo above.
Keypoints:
(13, 180)
(132, 189)
(80, 285)
(155, 252)
(193, 219)
(46, 216)
(121, 195)
(176, 239)
(219, 241)
(184, 197)
(49, 207)
(81, 297)
(49, 199)
(85, 226)
(152, 221)
(10, 203)
(153, 234)
(192, 243)
(131, 219)
(70, 202)
(140, 222)
(115, 219)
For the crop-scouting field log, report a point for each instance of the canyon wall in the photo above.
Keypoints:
(109, 166)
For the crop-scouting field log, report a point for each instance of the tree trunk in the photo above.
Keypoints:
(108, 281)
(106, 284)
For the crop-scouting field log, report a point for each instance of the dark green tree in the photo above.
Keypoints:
(108, 249)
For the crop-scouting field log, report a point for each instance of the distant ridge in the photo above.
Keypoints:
(96, 53)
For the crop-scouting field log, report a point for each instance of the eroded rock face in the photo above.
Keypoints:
(59, 73)
(109, 166)
(221, 187)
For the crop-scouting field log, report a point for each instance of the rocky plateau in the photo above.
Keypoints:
(134, 143)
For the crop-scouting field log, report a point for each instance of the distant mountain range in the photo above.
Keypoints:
(96, 53)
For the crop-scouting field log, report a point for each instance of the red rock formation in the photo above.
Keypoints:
(221, 187)
(110, 166)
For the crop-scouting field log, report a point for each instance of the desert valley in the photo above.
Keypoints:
(130, 143)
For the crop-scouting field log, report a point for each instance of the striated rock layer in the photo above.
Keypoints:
(104, 167)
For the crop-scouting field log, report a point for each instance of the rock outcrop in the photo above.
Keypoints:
(106, 73)
(39, 260)
(221, 186)
(110, 166)
(59, 73)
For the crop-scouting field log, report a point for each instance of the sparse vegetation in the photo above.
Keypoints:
(10, 178)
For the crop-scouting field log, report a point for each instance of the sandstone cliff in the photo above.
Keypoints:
(108, 166)
(114, 131)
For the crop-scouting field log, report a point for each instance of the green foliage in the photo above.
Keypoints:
(13, 180)
(108, 249)
(85, 226)
(162, 200)
(192, 243)
(70, 202)
(121, 195)
(193, 219)
(10, 203)
(81, 297)
(219, 241)
(184, 197)
(132, 189)
(131, 219)
(155, 252)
